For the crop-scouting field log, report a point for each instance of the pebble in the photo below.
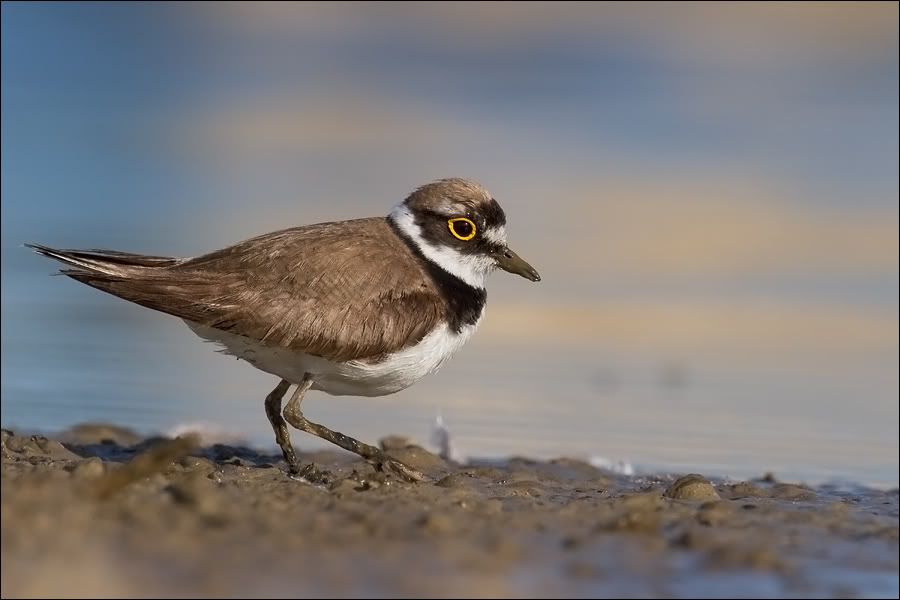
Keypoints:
(692, 487)
(91, 468)
(394, 442)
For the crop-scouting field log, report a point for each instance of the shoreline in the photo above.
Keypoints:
(101, 510)
(212, 434)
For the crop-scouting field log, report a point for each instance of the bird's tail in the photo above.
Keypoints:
(103, 262)
(149, 281)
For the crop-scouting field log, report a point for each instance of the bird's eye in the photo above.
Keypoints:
(462, 228)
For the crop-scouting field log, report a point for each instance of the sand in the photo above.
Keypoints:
(99, 511)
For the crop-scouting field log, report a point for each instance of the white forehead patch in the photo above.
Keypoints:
(495, 235)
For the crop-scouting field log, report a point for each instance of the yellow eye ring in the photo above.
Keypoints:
(462, 228)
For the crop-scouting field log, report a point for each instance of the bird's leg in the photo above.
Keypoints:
(282, 435)
(372, 454)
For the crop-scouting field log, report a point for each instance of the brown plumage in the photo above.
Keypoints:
(342, 291)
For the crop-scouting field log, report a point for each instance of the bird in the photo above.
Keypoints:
(362, 307)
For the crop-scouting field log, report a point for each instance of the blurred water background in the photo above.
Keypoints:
(710, 192)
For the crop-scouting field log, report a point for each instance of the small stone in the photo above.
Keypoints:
(196, 463)
(6, 436)
(490, 473)
(418, 458)
(692, 487)
(394, 442)
(649, 501)
(745, 489)
(40, 448)
(789, 491)
(92, 468)
(15, 443)
(100, 433)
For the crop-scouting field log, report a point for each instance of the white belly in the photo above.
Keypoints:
(355, 378)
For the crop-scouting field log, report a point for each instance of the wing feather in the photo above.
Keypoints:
(343, 291)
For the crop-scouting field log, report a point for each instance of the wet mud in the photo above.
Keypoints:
(100, 511)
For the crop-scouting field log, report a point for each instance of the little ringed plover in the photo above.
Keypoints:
(364, 307)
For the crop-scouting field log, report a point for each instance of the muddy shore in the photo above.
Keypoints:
(99, 511)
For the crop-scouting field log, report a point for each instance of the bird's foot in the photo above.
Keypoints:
(395, 467)
(309, 474)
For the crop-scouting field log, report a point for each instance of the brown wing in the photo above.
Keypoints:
(343, 291)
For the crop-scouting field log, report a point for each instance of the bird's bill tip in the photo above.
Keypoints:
(511, 262)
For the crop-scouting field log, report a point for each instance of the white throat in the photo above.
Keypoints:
(471, 268)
